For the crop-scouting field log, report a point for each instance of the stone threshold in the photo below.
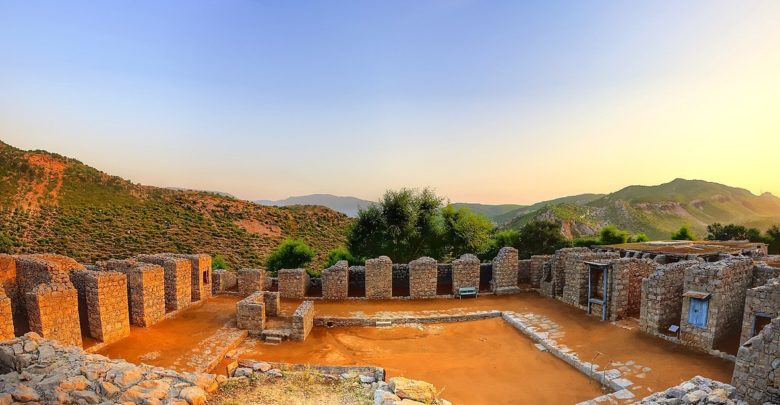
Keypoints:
(331, 322)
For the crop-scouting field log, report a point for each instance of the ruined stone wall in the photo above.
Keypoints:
(251, 280)
(662, 292)
(10, 288)
(272, 303)
(293, 283)
(223, 280)
(554, 275)
(379, 278)
(505, 271)
(625, 286)
(6, 317)
(200, 265)
(303, 321)
(178, 283)
(104, 293)
(537, 268)
(762, 274)
(757, 369)
(575, 288)
(423, 278)
(145, 289)
(765, 300)
(465, 272)
(524, 271)
(250, 313)
(727, 281)
(335, 281)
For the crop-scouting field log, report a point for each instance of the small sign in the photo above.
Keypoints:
(674, 328)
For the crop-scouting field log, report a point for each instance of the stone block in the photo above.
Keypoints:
(505, 271)
(303, 321)
(145, 289)
(379, 278)
(178, 279)
(335, 281)
(465, 273)
(423, 278)
(103, 294)
(223, 281)
(201, 279)
(251, 280)
(293, 283)
(250, 313)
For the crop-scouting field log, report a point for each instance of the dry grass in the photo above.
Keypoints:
(296, 388)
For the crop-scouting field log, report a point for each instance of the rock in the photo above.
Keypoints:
(176, 401)
(261, 366)
(275, 372)
(30, 346)
(193, 395)
(6, 399)
(108, 389)
(718, 396)
(243, 372)
(76, 383)
(675, 393)
(366, 379)
(385, 398)
(146, 391)
(45, 352)
(88, 397)
(413, 389)
(129, 377)
(23, 393)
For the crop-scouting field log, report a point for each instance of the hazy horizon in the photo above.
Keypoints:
(487, 102)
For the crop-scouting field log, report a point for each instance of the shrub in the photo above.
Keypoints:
(218, 262)
(291, 254)
(341, 253)
(612, 235)
(684, 233)
(639, 237)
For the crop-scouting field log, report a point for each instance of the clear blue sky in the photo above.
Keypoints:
(492, 101)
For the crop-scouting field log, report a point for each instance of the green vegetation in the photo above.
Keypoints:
(218, 262)
(638, 238)
(341, 253)
(684, 233)
(291, 254)
(718, 231)
(611, 235)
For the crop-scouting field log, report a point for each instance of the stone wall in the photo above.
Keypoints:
(762, 274)
(103, 295)
(524, 271)
(727, 282)
(379, 278)
(145, 289)
(293, 283)
(10, 288)
(6, 317)
(553, 277)
(662, 297)
(764, 300)
(505, 271)
(200, 265)
(465, 272)
(178, 283)
(250, 313)
(575, 288)
(303, 321)
(223, 281)
(537, 268)
(272, 303)
(423, 278)
(251, 280)
(757, 369)
(624, 298)
(335, 281)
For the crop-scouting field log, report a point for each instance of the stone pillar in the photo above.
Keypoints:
(201, 275)
(335, 281)
(303, 321)
(105, 295)
(465, 273)
(6, 318)
(145, 289)
(272, 303)
(537, 269)
(293, 283)
(223, 280)
(505, 272)
(423, 277)
(756, 369)
(251, 280)
(178, 283)
(250, 313)
(379, 278)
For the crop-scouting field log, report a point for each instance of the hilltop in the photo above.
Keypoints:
(51, 203)
(345, 205)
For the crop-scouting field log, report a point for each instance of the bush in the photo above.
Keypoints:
(684, 233)
(291, 254)
(585, 242)
(541, 238)
(500, 239)
(218, 262)
(638, 238)
(611, 235)
(341, 253)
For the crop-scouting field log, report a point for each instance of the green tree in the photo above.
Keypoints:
(464, 232)
(341, 253)
(612, 235)
(6, 244)
(684, 233)
(218, 262)
(773, 239)
(638, 238)
(540, 237)
(508, 237)
(291, 254)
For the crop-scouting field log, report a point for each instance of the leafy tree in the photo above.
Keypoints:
(218, 262)
(773, 239)
(611, 235)
(540, 237)
(684, 233)
(341, 253)
(291, 254)
(639, 237)
(586, 242)
(509, 237)
(717, 231)
(464, 231)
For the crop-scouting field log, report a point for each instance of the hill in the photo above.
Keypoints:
(51, 203)
(345, 205)
(660, 210)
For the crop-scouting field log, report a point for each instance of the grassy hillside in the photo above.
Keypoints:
(50, 203)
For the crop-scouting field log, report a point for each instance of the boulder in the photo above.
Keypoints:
(413, 389)
(193, 395)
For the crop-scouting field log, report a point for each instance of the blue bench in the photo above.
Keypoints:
(467, 291)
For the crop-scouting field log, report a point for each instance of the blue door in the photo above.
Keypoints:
(697, 312)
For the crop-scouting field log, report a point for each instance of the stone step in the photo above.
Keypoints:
(281, 334)
(273, 340)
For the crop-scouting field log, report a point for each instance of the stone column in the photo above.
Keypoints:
(145, 289)
(335, 281)
(201, 275)
(303, 321)
(505, 271)
(178, 280)
(423, 278)
(293, 283)
(272, 303)
(105, 295)
(379, 278)
(465, 273)
(250, 313)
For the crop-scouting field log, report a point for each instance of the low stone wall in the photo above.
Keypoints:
(465, 273)
(293, 283)
(223, 281)
(334, 321)
(103, 294)
(757, 370)
(377, 373)
(178, 284)
(251, 280)
(379, 278)
(250, 313)
(763, 273)
(303, 321)
(662, 297)
(423, 278)
(505, 271)
(763, 300)
(697, 390)
(335, 281)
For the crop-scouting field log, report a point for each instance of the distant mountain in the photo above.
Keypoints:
(345, 205)
(491, 211)
(660, 210)
(51, 203)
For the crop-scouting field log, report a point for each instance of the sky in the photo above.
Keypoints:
(484, 101)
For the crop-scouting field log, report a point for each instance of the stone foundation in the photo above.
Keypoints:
(293, 283)
(423, 277)
(178, 283)
(200, 265)
(379, 278)
(335, 281)
(145, 289)
(251, 280)
(465, 273)
(757, 370)
(505, 271)
(303, 321)
(250, 313)
(223, 281)
(662, 297)
(762, 304)
(103, 294)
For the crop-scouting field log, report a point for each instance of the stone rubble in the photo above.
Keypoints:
(698, 390)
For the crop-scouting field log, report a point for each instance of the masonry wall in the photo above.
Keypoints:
(272, 303)
(575, 289)
(505, 271)
(303, 321)
(293, 283)
(423, 278)
(104, 294)
(536, 269)
(200, 265)
(727, 281)
(251, 280)
(250, 313)
(178, 283)
(624, 298)
(6, 317)
(554, 274)
(763, 273)
(10, 288)
(379, 278)
(765, 300)
(335, 281)
(524, 271)
(662, 291)
(757, 370)
(465, 272)
(223, 281)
